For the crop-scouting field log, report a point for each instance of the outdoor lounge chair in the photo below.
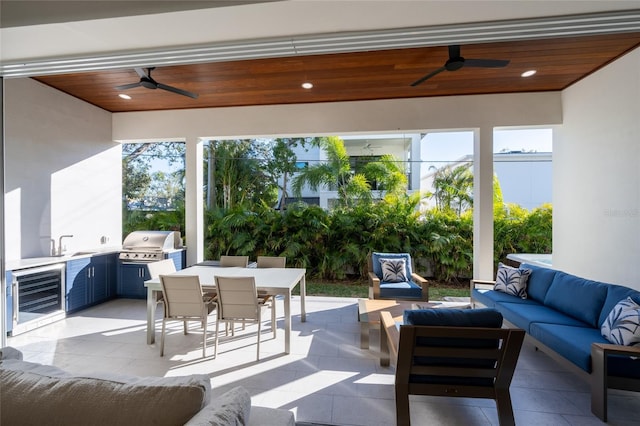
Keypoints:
(391, 276)
(454, 353)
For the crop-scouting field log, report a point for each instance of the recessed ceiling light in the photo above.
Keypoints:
(123, 96)
(307, 85)
(528, 73)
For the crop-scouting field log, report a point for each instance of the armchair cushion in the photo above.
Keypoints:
(485, 317)
(394, 270)
(401, 290)
(377, 266)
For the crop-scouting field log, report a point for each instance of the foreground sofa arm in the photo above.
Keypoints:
(10, 353)
(233, 408)
(600, 380)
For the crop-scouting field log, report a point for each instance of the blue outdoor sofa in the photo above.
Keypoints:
(563, 314)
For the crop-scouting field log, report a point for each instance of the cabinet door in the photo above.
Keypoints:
(98, 279)
(76, 291)
(132, 278)
(112, 274)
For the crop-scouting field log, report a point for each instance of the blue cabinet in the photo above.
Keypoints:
(133, 275)
(78, 273)
(131, 280)
(90, 280)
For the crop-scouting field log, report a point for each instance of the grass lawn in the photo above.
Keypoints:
(350, 288)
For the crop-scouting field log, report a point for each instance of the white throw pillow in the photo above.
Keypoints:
(512, 281)
(394, 270)
(622, 326)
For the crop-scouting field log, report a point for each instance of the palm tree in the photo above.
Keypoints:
(389, 175)
(334, 174)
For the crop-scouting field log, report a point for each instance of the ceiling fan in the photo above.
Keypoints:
(455, 62)
(147, 81)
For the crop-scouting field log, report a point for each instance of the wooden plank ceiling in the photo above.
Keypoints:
(385, 74)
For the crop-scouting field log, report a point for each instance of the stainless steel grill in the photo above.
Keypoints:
(149, 246)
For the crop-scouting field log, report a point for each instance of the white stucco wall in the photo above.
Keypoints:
(63, 171)
(407, 115)
(596, 230)
(525, 179)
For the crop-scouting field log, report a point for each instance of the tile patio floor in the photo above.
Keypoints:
(327, 378)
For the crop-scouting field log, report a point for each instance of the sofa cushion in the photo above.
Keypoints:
(616, 293)
(404, 290)
(523, 315)
(490, 297)
(39, 394)
(622, 326)
(394, 270)
(573, 343)
(512, 281)
(377, 268)
(540, 280)
(232, 408)
(578, 297)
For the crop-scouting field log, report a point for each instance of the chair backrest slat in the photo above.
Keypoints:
(234, 261)
(161, 267)
(437, 355)
(182, 295)
(238, 298)
(272, 262)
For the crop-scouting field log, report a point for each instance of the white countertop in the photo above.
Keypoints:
(33, 262)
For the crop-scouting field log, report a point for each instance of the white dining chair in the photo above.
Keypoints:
(271, 262)
(184, 301)
(238, 301)
(161, 267)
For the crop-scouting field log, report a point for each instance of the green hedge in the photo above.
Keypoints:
(334, 245)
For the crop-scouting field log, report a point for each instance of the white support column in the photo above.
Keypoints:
(416, 164)
(483, 203)
(194, 203)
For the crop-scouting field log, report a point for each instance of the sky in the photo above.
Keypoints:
(445, 147)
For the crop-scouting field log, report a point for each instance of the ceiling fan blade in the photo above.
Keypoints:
(128, 86)
(454, 51)
(486, 63)
(140, 72)
(178, 91)
(428, 76)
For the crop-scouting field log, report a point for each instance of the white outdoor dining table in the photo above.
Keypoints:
(273, 280)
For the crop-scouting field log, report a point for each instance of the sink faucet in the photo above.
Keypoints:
(60, 243)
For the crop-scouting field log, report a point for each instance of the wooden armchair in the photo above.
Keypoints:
(414, 288)
(454, 361)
